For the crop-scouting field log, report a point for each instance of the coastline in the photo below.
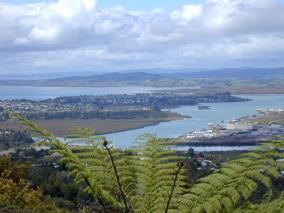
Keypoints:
(154, 123)
(164, 88)
(245, 131)
(62, 128)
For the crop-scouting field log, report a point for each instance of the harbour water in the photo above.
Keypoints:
(40, 93)
(219, 112)
(216, 148)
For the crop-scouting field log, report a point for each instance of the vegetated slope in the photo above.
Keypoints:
(152, 178)
(10, 138)
(243, 73)
(178, 78)
(109, 78)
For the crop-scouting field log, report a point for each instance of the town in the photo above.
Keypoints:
(146, 105)
(249, 130)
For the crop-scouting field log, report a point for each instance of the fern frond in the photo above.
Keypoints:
(234, 183)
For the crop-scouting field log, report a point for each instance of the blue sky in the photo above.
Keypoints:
(93, 35)
(128, 4)
(148, 4)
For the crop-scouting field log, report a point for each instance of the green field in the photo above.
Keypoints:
(271, 118)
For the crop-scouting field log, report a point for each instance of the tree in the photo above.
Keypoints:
(152, 179)
(16, 193)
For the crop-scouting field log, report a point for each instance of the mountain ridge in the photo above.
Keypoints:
(143, 78)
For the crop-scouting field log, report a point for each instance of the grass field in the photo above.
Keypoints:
(272, 118)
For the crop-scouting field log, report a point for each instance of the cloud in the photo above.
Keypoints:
(77, 35)
(188, 13)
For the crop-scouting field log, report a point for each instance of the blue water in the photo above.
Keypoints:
(200, 118)
(216, 148)
(40, 93)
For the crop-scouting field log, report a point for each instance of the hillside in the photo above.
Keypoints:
(229, 79)
(243, 73)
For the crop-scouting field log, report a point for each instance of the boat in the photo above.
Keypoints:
(204, 107)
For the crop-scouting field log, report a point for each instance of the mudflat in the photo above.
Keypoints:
(62, 127)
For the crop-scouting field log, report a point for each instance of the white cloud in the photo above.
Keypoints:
(75, 34)
(188, 12)
(46, 33)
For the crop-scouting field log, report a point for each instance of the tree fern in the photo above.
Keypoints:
(147, 180)
(151, 177)
(87, 164)
(160, 180)
(274, 206)
(234, 183)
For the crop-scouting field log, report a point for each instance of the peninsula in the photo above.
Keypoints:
(107, 113)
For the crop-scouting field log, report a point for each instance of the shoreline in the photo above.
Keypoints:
(216, 144)
(62, 128)
(244, 131)
(135, 128)
(233, 91)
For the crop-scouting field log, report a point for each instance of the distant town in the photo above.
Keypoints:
(249, 130)
(108, 106)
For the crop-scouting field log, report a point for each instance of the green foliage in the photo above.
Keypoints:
(156, 169)
(146, 180)
(149, 179)
(17, 194)
(274, 206)
(10, 138)
(227, 188)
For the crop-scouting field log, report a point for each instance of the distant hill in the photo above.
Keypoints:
(41, 76)
(116, 76)
(109, 79)
(178, 79)
(244, 73)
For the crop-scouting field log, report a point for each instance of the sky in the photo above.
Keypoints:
(113, 35)
(128, 4)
